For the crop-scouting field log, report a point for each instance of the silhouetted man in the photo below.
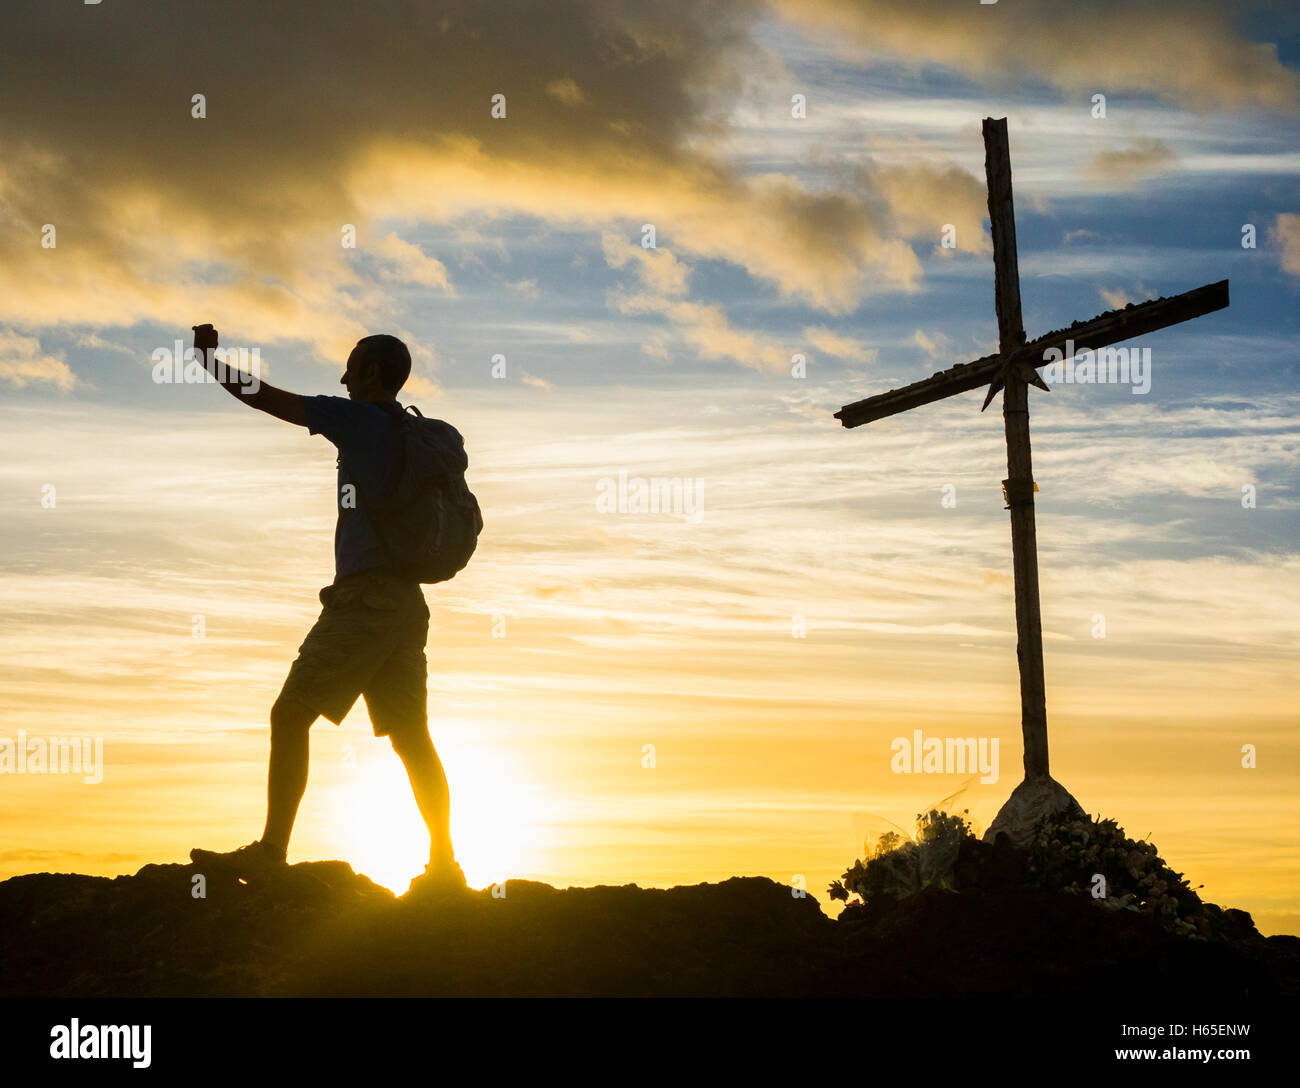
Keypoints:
(369, 639)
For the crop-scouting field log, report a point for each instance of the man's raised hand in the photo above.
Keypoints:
(205, 339)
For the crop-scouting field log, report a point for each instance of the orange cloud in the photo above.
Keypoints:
(310, 128)
(23, 363)
(1192, 54)
(1130, 164)
(842, 347)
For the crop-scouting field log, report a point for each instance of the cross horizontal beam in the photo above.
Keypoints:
(1102, 331)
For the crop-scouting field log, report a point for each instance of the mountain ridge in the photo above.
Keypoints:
(320, 929)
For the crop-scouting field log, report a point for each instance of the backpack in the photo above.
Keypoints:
(430, 521)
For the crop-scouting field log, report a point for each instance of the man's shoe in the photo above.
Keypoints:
(250, 862)
(442, 880)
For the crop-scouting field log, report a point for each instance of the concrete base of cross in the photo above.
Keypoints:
(1030, 802)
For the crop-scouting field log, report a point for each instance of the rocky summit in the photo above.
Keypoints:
(319, 929)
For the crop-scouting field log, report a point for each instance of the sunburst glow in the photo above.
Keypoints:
(493, 818)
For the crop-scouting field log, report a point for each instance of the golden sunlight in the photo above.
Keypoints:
(494, 820)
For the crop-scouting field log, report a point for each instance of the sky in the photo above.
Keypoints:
(686, 236)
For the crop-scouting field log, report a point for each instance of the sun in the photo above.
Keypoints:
(493, 818)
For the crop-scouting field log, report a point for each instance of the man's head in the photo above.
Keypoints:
(377, 368)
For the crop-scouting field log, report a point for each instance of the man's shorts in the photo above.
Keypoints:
(369, 641)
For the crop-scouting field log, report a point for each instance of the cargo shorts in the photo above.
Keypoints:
(369, 641)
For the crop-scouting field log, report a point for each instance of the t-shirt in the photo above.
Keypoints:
(367, 443)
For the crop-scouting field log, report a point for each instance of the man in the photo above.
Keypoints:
(369, 639)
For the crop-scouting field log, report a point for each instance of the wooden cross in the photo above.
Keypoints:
(1013, 369)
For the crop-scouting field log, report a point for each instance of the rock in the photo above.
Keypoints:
(319, 929)
(1030, 802)
(1040, 944)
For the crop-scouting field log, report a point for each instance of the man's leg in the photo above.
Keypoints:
(398, 701)
(286, 780)
(429, 784)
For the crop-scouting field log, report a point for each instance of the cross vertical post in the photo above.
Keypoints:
(1019, 484)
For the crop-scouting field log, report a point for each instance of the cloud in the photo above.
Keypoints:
(418, 386)
(923, 199)
(1118, 299)
(313, 125)
(1130, 164)
(1286, 234)
(657, 269)
(703, 327)
(656, 347)
(566, 91)
(935, 345)
(1202, 60)
(706, 329)
(536, 382)
(26, 858)
(842, 347)
(22, 363)
(527, 288)
(424, 362)
(92, 340)
(408, 263)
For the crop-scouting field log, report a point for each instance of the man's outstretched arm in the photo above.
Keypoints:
(276, 402)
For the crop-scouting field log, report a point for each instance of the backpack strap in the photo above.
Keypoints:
(397, 414)
(394, 412)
